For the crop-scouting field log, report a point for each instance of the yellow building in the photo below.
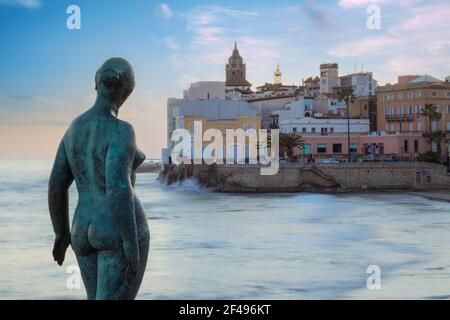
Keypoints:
(221, 115)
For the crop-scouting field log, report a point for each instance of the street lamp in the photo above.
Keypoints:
(348, 98)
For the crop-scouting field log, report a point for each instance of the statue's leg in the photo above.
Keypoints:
(112, 282)
(144, 246)
(88, 268)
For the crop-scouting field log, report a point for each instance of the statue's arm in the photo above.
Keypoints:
(119, 191)
(58, 201)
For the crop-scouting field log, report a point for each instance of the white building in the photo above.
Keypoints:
(323, 126)
(362, 83)
(205, 90)
(328, 77)
(300, 108)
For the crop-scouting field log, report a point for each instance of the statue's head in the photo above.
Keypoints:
(115, 80)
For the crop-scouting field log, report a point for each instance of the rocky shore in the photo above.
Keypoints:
(317, 177)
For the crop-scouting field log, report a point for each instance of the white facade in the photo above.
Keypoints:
(323, 125)
(363, 83)
(295, 109)
(205, 90)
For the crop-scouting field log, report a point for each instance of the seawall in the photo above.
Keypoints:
(317, 177)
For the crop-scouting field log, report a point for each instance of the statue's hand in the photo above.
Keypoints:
(60, 247)
(131, 251)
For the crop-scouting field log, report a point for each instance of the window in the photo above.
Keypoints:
(416, 145)
(294, 129)
(448, 94)
(337, 148)
(313, 130)
(307, 148)
(331, 130)
(405, 145)
(448, 125)
(434, 146)
(448, 109)
(323, 131)
(321, 148)
(433, 126)
(353, 148)
(434, 94)
(303, 130)
(381, 146)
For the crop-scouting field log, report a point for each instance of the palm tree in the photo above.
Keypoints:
(346, 94)
(429, 111)
(291, 141)
(439, 137)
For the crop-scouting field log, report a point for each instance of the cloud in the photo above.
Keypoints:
(318, 16)
(359, 3)
(164, 11)
(366, 46)
(29, 4)
(171, 43)
(206, 15)
(417, 41)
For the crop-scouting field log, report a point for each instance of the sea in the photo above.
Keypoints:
(207, 245)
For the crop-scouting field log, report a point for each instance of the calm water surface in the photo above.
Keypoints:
(207, 245)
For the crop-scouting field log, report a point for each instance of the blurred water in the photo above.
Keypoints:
(208, 245)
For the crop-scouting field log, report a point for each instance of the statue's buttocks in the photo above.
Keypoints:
(109, 230)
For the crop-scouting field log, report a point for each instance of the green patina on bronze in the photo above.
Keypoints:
(109, 233)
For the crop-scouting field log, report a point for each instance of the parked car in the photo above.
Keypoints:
(330, 160)
(392, 158)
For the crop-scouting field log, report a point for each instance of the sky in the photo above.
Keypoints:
(47, 70)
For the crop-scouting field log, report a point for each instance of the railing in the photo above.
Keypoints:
(407, 117)
(391, 117)
(401, 117)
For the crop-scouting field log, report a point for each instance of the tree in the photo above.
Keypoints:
(291, 141)
(429, 111)
(439, 137)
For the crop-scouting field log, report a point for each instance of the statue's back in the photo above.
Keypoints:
(86, 144)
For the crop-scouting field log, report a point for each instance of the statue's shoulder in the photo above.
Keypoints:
(124, 127)
(124, 133)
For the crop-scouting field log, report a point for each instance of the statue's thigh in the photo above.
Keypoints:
(112, 283)
(88, 268)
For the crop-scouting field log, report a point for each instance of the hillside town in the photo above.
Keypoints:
(339, 118)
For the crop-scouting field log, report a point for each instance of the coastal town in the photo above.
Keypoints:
(334, 132)
(329, 118)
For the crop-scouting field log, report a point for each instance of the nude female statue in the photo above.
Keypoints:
(109, 234)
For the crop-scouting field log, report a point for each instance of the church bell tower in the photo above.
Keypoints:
(236, 71)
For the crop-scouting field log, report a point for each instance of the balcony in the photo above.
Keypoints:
(401, 117)
(407, 117)
(391, 117)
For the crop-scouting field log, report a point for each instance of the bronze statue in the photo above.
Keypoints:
(109, 234)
